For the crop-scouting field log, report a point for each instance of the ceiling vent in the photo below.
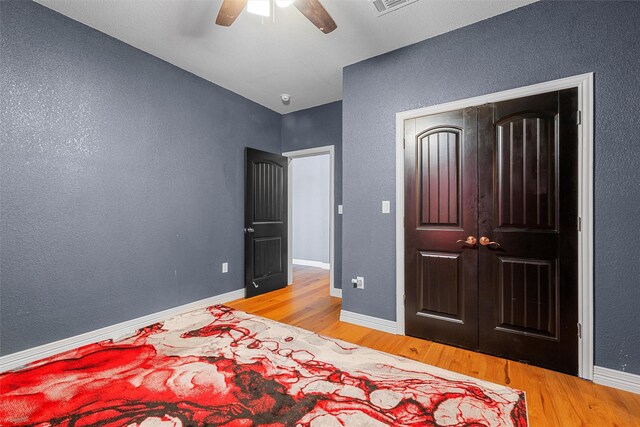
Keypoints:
(385, 6)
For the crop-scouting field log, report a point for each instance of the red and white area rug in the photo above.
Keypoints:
(223, 367)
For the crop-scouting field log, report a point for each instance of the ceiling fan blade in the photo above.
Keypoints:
(229, 11)
(317, 14)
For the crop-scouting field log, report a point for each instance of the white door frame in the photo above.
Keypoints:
(584, 83)
(316, 151)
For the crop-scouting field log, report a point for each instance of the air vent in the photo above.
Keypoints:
(385, 6)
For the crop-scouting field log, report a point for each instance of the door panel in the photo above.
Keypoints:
(440, 279)
(267, 259)
(439, 160)
(268, 178)
(440, 210)
(526, 170)
(265, 222)
(528, 280)
(528, 302)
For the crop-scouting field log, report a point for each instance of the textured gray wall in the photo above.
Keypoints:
(537, 43)
(310, 196)
(317, 127)
(121, 180)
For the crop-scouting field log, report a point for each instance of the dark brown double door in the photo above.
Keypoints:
(491, 229)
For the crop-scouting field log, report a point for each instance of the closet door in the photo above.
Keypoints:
(528, 289)
(440, 228)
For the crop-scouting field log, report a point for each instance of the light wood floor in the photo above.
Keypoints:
(553, 399)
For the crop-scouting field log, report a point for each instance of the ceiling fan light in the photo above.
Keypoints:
(284, 3)
(259, 7)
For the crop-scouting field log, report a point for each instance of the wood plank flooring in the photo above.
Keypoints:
(553, 399)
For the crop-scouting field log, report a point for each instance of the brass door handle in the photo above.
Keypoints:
(471, 241)
(485, 241)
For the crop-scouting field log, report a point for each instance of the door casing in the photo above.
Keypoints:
(316, 151)
(584, 84)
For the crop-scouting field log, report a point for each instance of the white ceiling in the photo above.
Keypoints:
(260, 59)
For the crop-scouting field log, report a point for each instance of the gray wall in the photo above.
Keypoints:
(122, 179)
(317, 127)
(537, 43)
(310, 194)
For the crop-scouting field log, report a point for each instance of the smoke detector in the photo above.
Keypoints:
(386, 6)
(285, 98)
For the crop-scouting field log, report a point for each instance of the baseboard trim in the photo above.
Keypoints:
(335, 292)
(371, 322)
(616, 379)
(310, 263)
(21, 358)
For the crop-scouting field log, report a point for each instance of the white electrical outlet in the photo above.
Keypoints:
(339, 209)
(386, 206)
(225, 267)
(358, 282)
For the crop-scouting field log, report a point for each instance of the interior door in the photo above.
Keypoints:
(441, 261)
(528, 206)
(265, 244)
(491, 229)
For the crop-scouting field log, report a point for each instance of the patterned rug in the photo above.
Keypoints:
(223, 367)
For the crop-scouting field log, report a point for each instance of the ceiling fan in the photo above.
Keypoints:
(312, 9)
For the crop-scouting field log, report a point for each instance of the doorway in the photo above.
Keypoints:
(501, 200)
(311, 211)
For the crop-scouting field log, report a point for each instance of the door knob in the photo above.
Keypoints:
(471, 241)
(249, 230)
(485, 241)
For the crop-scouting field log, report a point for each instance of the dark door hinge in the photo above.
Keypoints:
(404, 143)
(579, 117)
(579, 223)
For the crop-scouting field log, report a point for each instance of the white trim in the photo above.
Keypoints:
(400, 223)
(616, 379)
(289, 221)
(316, 151)
(584, 83)
(586, 348)
(21, 358)
(369, 322)
(335, 292)
(310, 263)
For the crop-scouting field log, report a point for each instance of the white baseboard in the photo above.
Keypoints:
(21, 358)
(309, 263)
(335, 292)
(369, 321)
(616, 379)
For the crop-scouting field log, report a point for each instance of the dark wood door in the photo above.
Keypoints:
(528, 205)
(440, 214)
(265, 243)
(504, 176)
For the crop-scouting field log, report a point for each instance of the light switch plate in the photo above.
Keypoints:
(386, 206)
(225, 267)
